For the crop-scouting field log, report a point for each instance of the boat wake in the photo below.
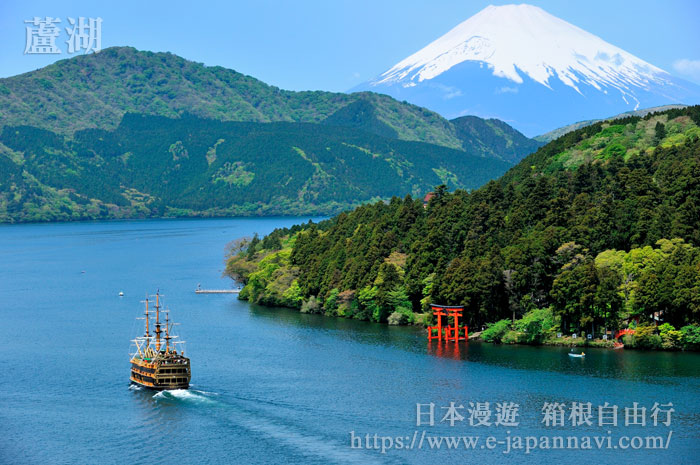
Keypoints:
(305, 442)
(204, 393)
(260, 419)
(252, 416)
(186, 395)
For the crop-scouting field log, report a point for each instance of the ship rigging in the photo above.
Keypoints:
(158, 365)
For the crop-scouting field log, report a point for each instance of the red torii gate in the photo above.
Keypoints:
(622, 332)
(439, 313)
(449, 333)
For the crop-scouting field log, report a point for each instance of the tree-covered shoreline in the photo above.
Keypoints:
(599, 227)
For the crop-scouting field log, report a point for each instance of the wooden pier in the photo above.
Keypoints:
(217, 291)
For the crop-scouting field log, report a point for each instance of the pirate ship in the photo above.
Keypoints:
(156, 363)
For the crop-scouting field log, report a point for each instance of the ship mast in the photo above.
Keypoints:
(148, 334)
(167, 331)
(158, 330)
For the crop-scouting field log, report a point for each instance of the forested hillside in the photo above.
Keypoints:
(598, 229)
(557, 133)
(189, 166)
(214, 142)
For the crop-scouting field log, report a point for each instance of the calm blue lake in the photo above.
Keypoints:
(272, 385)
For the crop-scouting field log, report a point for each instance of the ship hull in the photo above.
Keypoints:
(158, 388)
(161, 376)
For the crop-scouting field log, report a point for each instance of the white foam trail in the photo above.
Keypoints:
(206, 393)
(329, 450)
(184, 395)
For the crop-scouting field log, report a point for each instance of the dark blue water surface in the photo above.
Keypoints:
(272, 385)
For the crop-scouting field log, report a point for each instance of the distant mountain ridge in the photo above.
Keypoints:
(524, 66)
(493, 136)
(152, 166)
(124, 134)
(96, 90)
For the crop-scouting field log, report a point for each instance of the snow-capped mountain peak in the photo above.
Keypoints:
(522, 39)
(533, 70)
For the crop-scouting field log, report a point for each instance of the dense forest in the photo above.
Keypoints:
(596, 231)
(190, 166)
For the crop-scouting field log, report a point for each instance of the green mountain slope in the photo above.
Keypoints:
(493, 138)
(599, 228)
(154, 166)
(557, 133)
(95, 90)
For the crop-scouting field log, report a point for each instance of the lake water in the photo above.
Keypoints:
(272, 385)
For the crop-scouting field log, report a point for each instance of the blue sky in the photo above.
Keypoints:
(336, 44)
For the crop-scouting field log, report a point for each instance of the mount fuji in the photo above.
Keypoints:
(524, 66)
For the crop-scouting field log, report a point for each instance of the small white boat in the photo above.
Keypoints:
(581, 355)
(121, 293)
